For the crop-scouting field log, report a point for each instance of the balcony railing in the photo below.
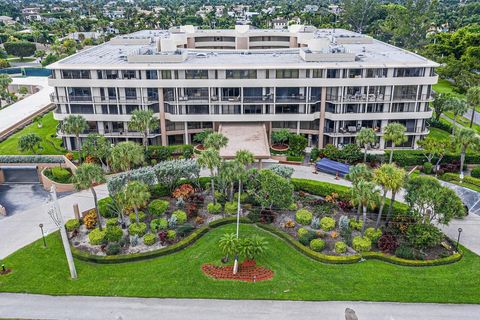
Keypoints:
(291, 98)
(264, 98)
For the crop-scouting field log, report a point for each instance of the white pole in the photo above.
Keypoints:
(235, 265)
(63, 233)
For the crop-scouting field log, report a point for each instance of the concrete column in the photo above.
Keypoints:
(185, 124)
(321, 126)
(163, 127)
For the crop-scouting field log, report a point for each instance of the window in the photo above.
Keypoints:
(287, 74)
(196, 74)
(317, 73)
(79, 94)
(252, 109)
(405, 92)
(152, 74)
(130, 93)
(241, 74)
(111, 74)
(152, 94)
(166, 74)
(81, 109)
(112, 93)
(409, 72)
(377, 73)
(333, 73)
(354, 73)
(131, 108)
(76, 74)
(287, 109)
(128, 74)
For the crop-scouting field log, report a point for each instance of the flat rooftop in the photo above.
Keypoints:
(245, 136)
(112, 55)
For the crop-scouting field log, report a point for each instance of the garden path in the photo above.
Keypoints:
(73, 307)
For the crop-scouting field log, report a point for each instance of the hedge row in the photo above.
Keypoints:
(412, 263)
(408, 158)
(31, 159)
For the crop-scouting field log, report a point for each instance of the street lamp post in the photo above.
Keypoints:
(43, 235)
(458, 239)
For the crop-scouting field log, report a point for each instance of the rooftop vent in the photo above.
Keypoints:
(201, 55)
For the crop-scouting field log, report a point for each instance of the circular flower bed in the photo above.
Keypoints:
(279, 147)
(248, 273)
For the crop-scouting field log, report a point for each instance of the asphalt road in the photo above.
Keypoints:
(22, 306)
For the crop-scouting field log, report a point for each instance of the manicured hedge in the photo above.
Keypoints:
(224, 221)
(413, 263)
(31, 159)
(408, 158)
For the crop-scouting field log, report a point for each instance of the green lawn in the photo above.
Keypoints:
(39, 270)
(49, 144)
(17, 59)
(445, 86)
(438, 134)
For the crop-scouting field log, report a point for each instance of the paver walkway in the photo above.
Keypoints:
(23, 306)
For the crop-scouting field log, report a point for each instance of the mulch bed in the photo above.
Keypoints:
(7, 271)
(279, 147)
(245, 273)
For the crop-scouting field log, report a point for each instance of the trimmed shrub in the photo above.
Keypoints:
(159, 190)
(72, 224)
(214, 208)
(427, 168)
(185, 229)
(230, 207)
(243, 197)
(149, 239)
(112, 249)
(104, 207)
(181, 216)
(158, 207)
(317, 245)
(327, 224)
(306, 238)
(61, 175)
(96, 237)
(340, 247)
(361, 244)
(158, 224)
(133, 217)
(387, 243)
(113, 234)
(405, 252)
(302, 231)
(138, 229)
(303, 217)
(293, 206)
(475, 172)
(171, 234)
(424, 236)
(356, 225)
(112, 222)
(373, 234)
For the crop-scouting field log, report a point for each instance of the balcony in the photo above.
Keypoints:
(292, 98)
(256, 99)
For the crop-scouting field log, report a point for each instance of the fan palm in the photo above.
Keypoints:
(29, 142)
(136, 195)
(215, 141)
(464, 138)
(75, 125)
(87, 176)
(366, 195)
(125, 155)
(395, 132)
(359, 173)
(143, 121)
(210, 159)
(365, 138)
(458, 108)
(228, 244)
(473, 99)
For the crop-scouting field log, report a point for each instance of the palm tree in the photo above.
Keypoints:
(216, 141)
(87, 176)
(210, 159)
(29, 142)
(252, 247)
(143, 121)
(464, 138)
(359, 172)
(75, 125)
(228, 175)
(458, 108)
(394, 132)
(228, 244)
(395, 185)
(473, 99)
(388, 176)
(365, 138)
(5, 81)
(365, 194)
(125, 155)
(136, 195)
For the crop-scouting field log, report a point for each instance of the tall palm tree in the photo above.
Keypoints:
(395, 185)
(216, 141)
(458, 108)
(244, 158)
(367, 195)
(473, 99)
(136, 195)
(365, 138)
(125, 155)
(75, 124)
(143, 121)
(388, 176)
(210, 159)
(87, 176)
(395, 132)
(464, 138)
(359, 172)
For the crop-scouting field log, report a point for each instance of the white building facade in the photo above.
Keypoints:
(322, 83)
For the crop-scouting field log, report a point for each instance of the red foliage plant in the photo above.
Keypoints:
(184, 191)
(387, 243)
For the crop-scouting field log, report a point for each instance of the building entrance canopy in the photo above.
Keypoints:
(245, 136)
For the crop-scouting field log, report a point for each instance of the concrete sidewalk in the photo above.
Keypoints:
(25, 306)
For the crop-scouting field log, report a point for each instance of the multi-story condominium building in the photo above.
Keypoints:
(325, 84)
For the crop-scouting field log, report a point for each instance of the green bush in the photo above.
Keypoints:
(138, 229)
(185, 229)
(158, 207)
(96, 236)
(149, 239)
(301, 232)
(181, 216)
(214, 208)
(361, 244)
(373, 234)
(171, 234)
(113, 234)
(230, 207)
(405, 252)
(320, 188)
(306, 238)
(61, 175)
(112, 222)
(104, 207)
(356, 225)
(133, 217)
(158, 224)
(327, 224)
(158, 191)
(317, 245)
(340, 247)
(72, 224)
(112, 249)
(424, 235)
(293, 206)
(295, 158)
(427, 168)
(304, 217)
(243, 197)
(475, 172)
